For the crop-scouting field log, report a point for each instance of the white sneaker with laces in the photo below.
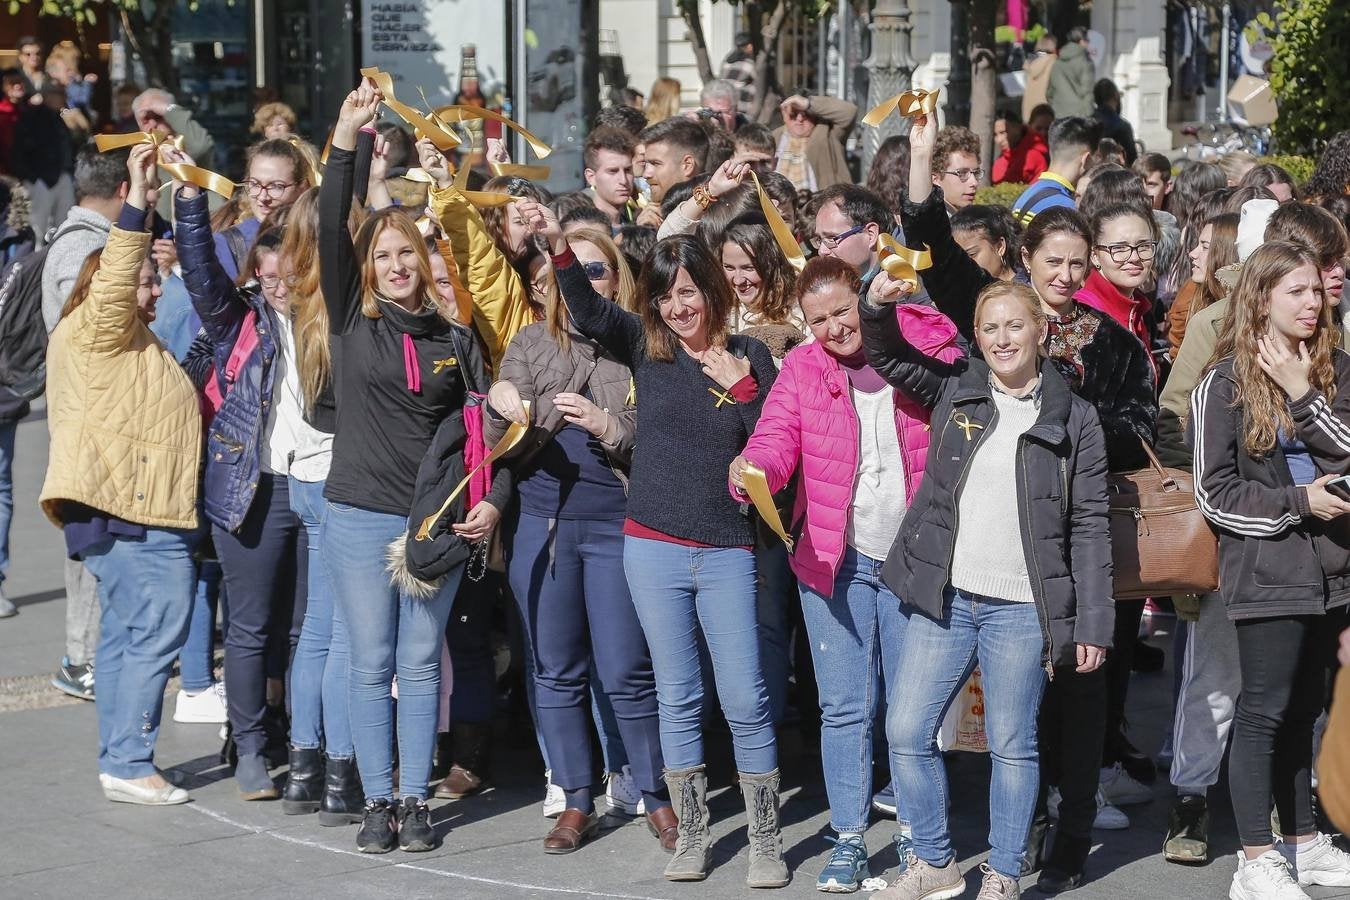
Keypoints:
(622, 794)
(1121, 789)
(1318, 861)
(555, 801)
(1108, 817)
(202, 708)
(1265, 878)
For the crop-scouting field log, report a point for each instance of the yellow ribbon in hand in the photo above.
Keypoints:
(435, 132)
(202, 178)
(910, 103)
(513, 436)
(460, 112)
(529, 173)
(489, 198)
(782, 234)
(757, 486)
(900, 262)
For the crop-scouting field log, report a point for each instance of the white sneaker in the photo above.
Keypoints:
(1121, 789)
(1108, 817)
(622, 794)
(1265, 878)
(120, 790)
(1318, 862)
(555, 801)
(203, 708)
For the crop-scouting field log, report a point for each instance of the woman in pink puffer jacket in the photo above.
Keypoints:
(860, 447)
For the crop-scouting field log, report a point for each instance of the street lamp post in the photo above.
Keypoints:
(958, 83)
(889, 68)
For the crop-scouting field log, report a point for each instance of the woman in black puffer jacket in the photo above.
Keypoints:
(1013, 573)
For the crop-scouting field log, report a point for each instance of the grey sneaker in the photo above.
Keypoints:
(997, 887)
(7, 608)
(921, 881)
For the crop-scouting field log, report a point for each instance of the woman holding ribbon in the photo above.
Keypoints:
(860, 446)
(688, 550)
(277, 174)
(1004, 557)
(397, 375)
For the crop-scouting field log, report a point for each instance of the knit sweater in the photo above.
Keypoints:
(989, 558)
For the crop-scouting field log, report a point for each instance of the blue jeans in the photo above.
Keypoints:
(683, 594)
(7, 430)
(857, 637)
(1005, 638)
(568, 580)
(197, 661)
(388, 633)
(318, 688)
(145, 585)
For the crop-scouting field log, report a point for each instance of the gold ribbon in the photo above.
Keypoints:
(757, 487)
(782, 234)
(489, 198)
(966, 424)
(202, 178)
(432, 130)
(529, 173)
(900, 262)
(312, 162)
(460, 112)
(419, 175)
(910, 103)
(514, 433)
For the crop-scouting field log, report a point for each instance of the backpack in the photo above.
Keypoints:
(23, 334)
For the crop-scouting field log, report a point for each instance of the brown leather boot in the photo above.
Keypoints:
(664, 827)
(467, 774)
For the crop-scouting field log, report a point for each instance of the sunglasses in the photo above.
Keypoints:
(595, 271)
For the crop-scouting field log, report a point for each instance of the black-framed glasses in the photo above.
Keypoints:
(275, 189)
(1120, 253)
(964, 174)
(829, 242)
(595, 270)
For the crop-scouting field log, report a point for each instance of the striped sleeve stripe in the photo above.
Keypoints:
(1335, 429)
(1253, 526)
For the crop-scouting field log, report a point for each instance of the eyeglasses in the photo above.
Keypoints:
(595, 271)
(965, 174)
(271, 281)
(798, 114)
(1122, 252)
(275, 189)
(829, 242)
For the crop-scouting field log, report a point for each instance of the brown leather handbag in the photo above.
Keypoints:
(1161, 544)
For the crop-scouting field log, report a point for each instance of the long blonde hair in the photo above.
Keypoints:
(663, 101)
(300, 260)
(1264, 406)
(625, 294)
(398, 219)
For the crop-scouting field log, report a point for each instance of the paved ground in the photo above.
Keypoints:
(61, 839)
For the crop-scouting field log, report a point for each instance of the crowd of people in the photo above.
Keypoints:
(365, 405)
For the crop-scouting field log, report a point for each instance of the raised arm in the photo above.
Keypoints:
(339, 272)
(215, 297)
(906, 368)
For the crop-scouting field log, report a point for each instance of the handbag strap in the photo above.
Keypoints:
(1168, 482)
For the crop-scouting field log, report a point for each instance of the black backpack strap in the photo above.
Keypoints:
(1023, 213)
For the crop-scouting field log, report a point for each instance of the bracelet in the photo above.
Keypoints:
(703, 197)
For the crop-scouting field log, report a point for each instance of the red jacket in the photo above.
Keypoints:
(1131, 312)
(1024, 163)
(9, 118)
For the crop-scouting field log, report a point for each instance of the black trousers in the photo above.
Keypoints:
(1072, 728)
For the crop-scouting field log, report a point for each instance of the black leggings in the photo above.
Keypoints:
(1283, 662)
(1072, 725)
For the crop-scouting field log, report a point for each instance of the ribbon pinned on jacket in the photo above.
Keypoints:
(757, 487)
(514, 433)
(202, 178)
(782, 234)
(911, 104)
(459, 112)
(900, 262)
(433, 131)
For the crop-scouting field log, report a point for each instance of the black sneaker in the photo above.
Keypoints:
(1188, 830)
(77, 681)
(415, 834)
(379, 831)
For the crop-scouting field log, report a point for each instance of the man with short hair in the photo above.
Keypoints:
(811, 141)
(1072, 77)
(755, 145)
(739, 69)
(156, 111)
(608, 156)
(623, 117)
(956, 166)
(1024, 160)
(677, 150)
(31, 65)
(848, 221)
(1072, 141)
(1156, 170)
(43, 156)
(1107, 98)
(719, 96)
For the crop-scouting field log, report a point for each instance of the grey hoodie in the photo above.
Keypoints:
(69, 249)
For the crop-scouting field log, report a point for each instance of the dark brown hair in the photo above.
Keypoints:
(657, 280)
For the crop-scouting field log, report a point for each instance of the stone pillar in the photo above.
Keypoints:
(890, 68)
(1133, 59)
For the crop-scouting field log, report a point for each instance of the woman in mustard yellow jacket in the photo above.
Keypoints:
(122, 483)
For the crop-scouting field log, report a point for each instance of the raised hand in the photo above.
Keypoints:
(728, 175)
(379, 159)
(885, 289)
(496, 151)
(143, 176)
(170, 154)
(434, 163)
(541, 220)
(358, 110)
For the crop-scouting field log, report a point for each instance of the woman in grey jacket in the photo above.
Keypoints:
(1022, 561)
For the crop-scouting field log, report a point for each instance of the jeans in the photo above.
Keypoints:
(389, 633)
(1283, 662)
(7, 431)
(197, 661)
(146, 589)
(1210, 683)
(683, 594)
(264, 574)
(82, 613)
(856, 635)
(568, 579)
(318, 686)
(1005, 639)
(773, 593)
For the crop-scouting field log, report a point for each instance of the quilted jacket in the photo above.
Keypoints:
(234, 443)
(809, 418)
(125, 427)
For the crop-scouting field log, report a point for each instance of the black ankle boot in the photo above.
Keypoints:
(304, 783)
(343, 799)
(1063, 871)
